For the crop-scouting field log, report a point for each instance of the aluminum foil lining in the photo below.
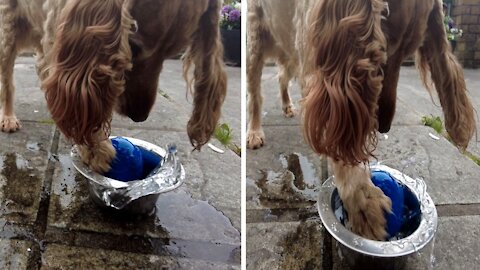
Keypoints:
(405, 246)
(117, 194)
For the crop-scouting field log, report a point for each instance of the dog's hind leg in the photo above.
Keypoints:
(434, 57)
(286, 73)
(259, 40)
(364, 202)
(8, 120)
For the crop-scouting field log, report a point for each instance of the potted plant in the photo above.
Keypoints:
(230, 24)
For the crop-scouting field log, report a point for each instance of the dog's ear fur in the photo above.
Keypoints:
(210, 80)
(435, 58)
(347, 48)
(86, 75)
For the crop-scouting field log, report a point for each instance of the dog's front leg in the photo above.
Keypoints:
(99, 157)
(8, 52)
(365, 203)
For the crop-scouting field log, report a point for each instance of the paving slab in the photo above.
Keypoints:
(66, 257)
(288, 245)
(15, 254)
(30, 104)
(456, 243)
(23, 163)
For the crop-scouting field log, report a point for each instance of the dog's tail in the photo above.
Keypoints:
(86, 75)
(435, 58)
(346, 48)
(210, 80)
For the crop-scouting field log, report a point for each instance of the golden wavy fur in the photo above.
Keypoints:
(349, 49)
(88, 61)
(99, 56)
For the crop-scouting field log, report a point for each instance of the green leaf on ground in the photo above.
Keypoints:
(434, 122)
(223, 134)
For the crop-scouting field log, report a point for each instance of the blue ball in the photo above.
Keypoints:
(394, 191)
(150, 161)
(128, 162)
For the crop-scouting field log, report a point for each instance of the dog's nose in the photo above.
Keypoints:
(137, 117)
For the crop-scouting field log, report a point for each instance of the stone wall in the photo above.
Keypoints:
(466, 14)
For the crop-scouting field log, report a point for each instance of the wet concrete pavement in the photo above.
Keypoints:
(47, 220)
(283, 227)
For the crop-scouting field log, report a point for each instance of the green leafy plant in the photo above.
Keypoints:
(434, 122)
(473, 157)
(223, 133)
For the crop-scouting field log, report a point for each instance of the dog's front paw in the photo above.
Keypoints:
(289, 111)
(101, 163)
(98, 158)
(10, 124)
(366, 212)
(255, 139)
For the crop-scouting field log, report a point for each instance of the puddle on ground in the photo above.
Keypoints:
(178, 222)
(179, 213)
(302, 249)
(297, 183)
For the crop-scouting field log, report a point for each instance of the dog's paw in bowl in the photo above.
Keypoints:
(140, 172)
(413, 225)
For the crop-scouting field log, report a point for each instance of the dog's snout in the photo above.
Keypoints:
(136, 117)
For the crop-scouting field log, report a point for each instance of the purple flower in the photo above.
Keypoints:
(226, 9)
(234, 15)
(451, 24)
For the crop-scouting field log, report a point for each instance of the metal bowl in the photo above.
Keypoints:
(99, 185)
(362, 253)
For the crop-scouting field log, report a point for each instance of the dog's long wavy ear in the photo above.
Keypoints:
(209, 81)
(435, 58)
(89, 56)
(346, 48)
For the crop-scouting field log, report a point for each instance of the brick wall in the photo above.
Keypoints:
(466, 14)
